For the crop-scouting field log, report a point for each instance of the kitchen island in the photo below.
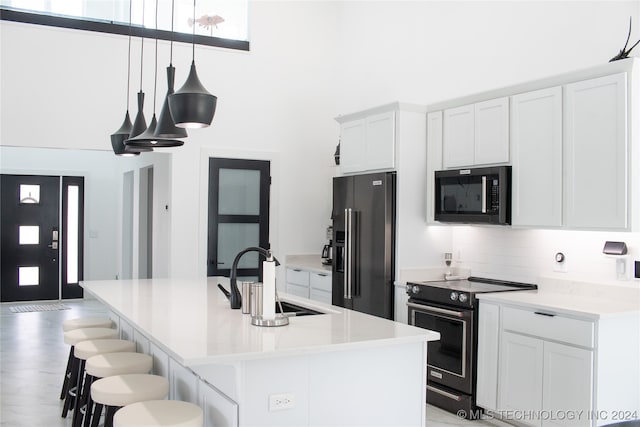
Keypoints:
(337, 368)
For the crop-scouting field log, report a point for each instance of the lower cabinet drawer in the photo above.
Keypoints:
(322, 296)
(549, 326)
(299, 277)
(295, 289)
(321, 281)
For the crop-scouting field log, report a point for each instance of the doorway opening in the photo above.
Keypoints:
(42, 234)
(238, 215)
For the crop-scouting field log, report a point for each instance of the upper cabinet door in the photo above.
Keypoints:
(352, 146)
(536, 143)
(595, 142)
(458, 146)
(492, 131)
(434, 159)
(380, 141)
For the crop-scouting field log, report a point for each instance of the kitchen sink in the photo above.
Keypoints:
(291, 309)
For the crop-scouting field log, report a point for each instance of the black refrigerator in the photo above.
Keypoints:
(363, 217)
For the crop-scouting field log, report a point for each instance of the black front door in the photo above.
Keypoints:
(30, 237)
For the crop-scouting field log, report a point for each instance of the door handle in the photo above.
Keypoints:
(53, 245)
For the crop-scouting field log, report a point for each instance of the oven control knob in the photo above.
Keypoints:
(462, 297)
(415, 289)
(453, 296)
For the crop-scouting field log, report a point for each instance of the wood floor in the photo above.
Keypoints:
(33, 357)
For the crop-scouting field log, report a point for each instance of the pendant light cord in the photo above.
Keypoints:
(142, 47)
(155, 73)
(193, 34)
(129, 56)
(171, 45)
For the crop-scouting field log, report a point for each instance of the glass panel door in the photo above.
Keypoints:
(238, 214)
(30, 245)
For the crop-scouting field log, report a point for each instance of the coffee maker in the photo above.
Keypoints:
(327, 250)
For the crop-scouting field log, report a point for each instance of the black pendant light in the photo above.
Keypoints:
(166, 128)
(148, 137)
(192, 106)
(119, 136)
(139, 123)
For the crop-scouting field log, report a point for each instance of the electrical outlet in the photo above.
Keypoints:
(279, 402)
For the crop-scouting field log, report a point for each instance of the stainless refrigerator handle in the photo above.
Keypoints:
(484, 194)
(350, 280)
(346, 255)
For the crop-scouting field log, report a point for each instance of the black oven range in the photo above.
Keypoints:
(450, 308)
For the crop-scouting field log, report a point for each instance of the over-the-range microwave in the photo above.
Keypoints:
(472, 196)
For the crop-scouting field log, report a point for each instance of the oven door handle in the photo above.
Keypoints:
(444, 393)
(436, 310)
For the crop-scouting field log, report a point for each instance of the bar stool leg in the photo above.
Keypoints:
(108, 417)
(77, 401)
(86, 401)
(97, 412)
(67, 374)
(68, 401)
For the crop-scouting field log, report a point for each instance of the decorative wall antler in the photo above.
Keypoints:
(625, 53)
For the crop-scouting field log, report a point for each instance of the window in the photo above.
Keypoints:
(221, 23)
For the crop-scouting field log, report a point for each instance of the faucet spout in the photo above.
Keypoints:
(235, 298)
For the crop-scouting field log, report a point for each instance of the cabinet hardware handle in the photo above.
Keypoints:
(544, 314)
(296, 269)
(322, 274)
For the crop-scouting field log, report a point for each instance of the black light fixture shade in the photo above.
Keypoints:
(192, 106)
(148, 138)
(139, 124)
(118, 138)
(166, 128)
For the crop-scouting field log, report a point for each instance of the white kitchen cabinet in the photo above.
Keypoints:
(546, 364)
(298, 282)
(459, 134)
(183, 383)
(380, 141)
(142, 342)
(476, 134)
(320, 287)
(536, 142)
(218, 409)
(434, 159)
(491, 141)
(126, 330)
(488, 355)
(309, 284)
(160, 361)
(352, 146)
(368, 144)
(595, 153)
(567, 382)
(521, 364)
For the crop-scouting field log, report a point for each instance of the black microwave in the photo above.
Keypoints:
(473, 196)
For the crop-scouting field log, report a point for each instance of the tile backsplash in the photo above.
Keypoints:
(526, 255)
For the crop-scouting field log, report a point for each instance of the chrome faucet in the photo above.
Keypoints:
(235, 298)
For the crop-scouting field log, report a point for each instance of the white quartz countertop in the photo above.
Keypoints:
(308, 262)
(192, 321)
(567, 303)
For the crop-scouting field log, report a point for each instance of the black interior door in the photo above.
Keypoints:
(238, 215)
(30, 237)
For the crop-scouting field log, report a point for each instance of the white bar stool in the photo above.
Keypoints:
(72, 338)
(78, 323)
(159, 413)
(108, 365)
(85, 350)
(122, 390)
